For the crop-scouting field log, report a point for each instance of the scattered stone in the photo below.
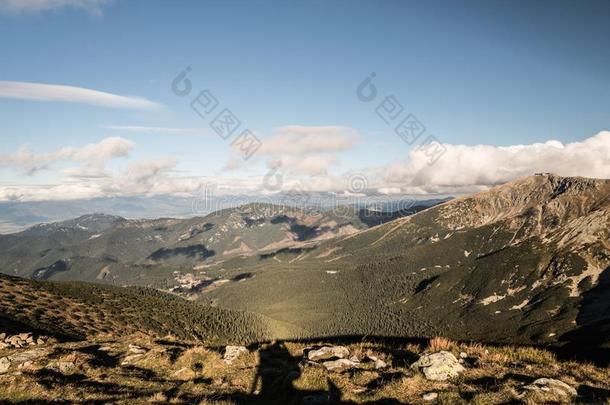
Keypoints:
(551, 385)
(65, 367)
(5, 364)
(463, 355)
(135, 349)
(28, 355)
(439, 366)
(339, 365)
(2, 336)
(328, 352)
(3, 345)
(379, 364)
(430, 396)
(233, 352)
(131, 358)
(40, 341)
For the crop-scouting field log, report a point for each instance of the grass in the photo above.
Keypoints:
(175, 371)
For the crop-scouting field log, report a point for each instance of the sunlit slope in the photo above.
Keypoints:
(524, 262)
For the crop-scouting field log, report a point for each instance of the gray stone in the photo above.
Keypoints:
(552, 385)
(131, 358)
(233, 352)
(28, 355)
(135, 349)
(65, 366)
(5, 364)
(430, 396)
(379, 364)
(439, 366)
(339, 365)
(328, 352)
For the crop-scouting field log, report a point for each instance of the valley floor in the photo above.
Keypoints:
(139, 369)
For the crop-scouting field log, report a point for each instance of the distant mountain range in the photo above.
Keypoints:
(112, 249)
(16, 216)
(526, 262)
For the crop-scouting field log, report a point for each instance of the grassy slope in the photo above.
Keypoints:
(78, 310)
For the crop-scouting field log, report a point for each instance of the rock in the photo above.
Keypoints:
(430, 396)
(233, 352)
(463, 355)
(65, 367)
(135, 349)
(3, 345)
(28, 355)
(379, 364)
(40, 341)
(328, 352)
(551, 385)
(2, 336)
(24, 336)
(439, 366)
(5, 364)
(339, 365)
(131, 358)
(26, 365)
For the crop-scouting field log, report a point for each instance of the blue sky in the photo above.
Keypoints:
(474, 73)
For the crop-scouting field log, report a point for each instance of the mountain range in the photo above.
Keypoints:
(525, 262)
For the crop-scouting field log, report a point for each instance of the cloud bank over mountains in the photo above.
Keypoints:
(303, 158)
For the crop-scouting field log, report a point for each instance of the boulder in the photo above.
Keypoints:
(439, 366)
(135, 349)
(328, 352)
(28, 355)
(127, 360)
(430, 396)
(5, 364)
(553, 386)
(65, 367)
(379, 364)
(233, 352)
(339, 365)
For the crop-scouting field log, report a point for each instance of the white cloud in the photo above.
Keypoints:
(301, 149)
(462, 169)
(31, 162)
(34, 6)
(468, 168)
(72, 94)
(303, 140)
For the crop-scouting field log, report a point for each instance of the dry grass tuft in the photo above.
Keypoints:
(439, 343)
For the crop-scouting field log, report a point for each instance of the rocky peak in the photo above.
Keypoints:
(546, 199)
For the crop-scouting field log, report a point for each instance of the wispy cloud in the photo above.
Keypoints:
(35, 6)
(302, 149)
(72, 94)
(96, 154)
(158, 130)
(302, 140)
